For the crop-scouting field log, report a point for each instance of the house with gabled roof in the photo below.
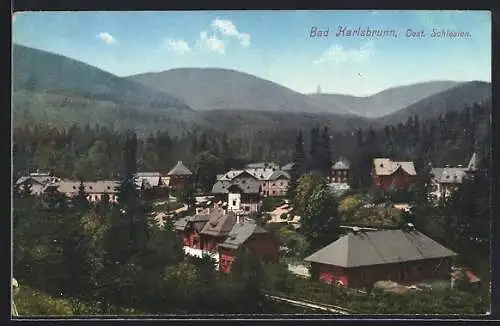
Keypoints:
(388, 174)
(179, 176)
(445, 180)
(339, 172)
(241, 195)
(362, 257)
(247, 235)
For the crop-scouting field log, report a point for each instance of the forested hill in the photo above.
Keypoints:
(96, 152)
(37, 71)
(387, 101)
(443, 102)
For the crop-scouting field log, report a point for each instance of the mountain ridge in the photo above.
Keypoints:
(42, 71)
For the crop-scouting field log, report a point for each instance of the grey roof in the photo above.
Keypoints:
(278, 174)
(240, 233)
(149, 179)
(34, 178)
(220, 223)
(379, 247)
(198, 220)
(262, 165)
(449, 175)
(94, 187)
(219, 176)
(180, 224)
(180, 169)
(287, 167)
(341, 164)
(247, 186)
(472, 166)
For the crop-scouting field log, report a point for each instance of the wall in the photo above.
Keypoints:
(226, 258)
(276, 188)
(209, 243)
(177, 181)
(329, 274)
(339, 176)
(401, 179)
(264, 245)
(408, 272)
(233, 201)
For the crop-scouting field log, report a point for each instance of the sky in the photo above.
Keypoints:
(275, 45)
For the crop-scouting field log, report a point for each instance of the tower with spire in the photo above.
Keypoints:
(318, 91)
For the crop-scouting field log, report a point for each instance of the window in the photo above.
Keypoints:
(234, 202)
(281, 184)
(274, 192)
(247, 208)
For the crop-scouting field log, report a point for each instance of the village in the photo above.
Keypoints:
(246, 207)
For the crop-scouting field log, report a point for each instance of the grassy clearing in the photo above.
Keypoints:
(31, 302)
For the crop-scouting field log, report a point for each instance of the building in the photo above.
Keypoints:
(446, 180)
(152, 181)
(179, 176)
(246, 235)
(360, 258)
(276, 184)
(273, 181)
(96, 190)
(388, 174)
(339, 172)
(37, 181)
(241, 194)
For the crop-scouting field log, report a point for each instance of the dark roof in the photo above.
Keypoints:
(240, 233)
(247, 186)
(180, 169)
(220, 223)
(379, 247)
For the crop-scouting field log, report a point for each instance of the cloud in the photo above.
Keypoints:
(107, 38)
(211, 43)
(337, 54)
(228, 28)
(177, 46)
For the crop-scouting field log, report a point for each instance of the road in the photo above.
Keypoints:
(310, 304)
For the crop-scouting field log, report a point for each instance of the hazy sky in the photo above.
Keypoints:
(275, 45)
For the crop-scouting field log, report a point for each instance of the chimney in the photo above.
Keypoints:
(208, 210)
